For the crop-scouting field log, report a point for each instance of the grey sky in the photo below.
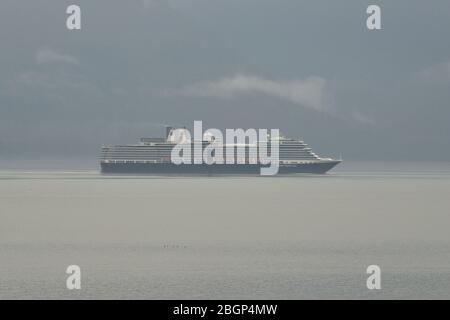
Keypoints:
(310, 68)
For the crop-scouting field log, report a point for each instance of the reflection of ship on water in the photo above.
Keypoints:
(153, 156)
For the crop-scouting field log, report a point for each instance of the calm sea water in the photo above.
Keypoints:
(302, 237)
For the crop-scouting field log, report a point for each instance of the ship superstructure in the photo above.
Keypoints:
(154, 156)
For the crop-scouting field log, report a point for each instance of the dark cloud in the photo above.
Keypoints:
(310, 68)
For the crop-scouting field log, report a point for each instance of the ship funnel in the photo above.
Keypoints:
(180, 135)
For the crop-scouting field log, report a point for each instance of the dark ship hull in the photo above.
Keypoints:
(214, 169)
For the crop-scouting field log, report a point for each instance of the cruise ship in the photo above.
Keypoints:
(153, 156)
